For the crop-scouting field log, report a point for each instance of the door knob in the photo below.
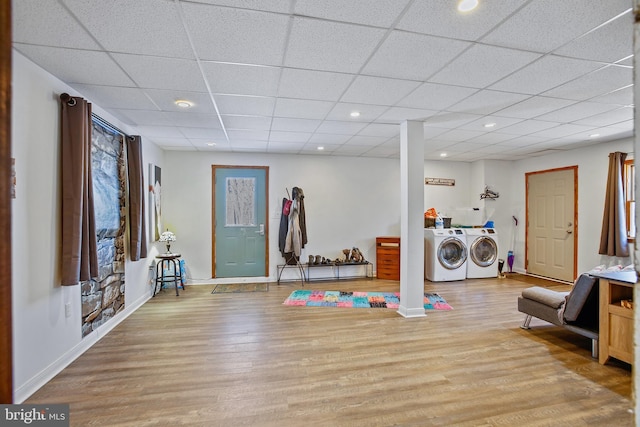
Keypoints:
(261, 231)
(569, 231)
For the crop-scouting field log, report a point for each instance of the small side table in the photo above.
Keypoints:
(163, 271)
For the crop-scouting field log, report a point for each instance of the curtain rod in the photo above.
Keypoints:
(65, 97)
(102, 122)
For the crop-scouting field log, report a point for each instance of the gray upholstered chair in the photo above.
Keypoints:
(576, 311)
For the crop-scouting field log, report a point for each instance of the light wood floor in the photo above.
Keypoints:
(244, 359)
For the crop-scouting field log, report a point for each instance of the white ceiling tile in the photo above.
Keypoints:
(246, 122)
(203, 133)
(609, 43)
(151, 72)
(594, 84)
(624, 114)
(289, 96)
(497, 121)
(289, 147)
(623, 125)
(318, 85)
(400, 114)
(205, 144)
(611, 133)
(487, 102)
(491, 138)
(459, 135)
(47, 23)
(236, 35)
(382, 129)
(482, 65)
(160, 131)
(245, 135)
(249, 145)
(544, 74)
(240, 104)
(89, 67)
(325, 138)
(450, 120)
(381, 13)
(116, 97)
(412, 56)
(545, 25)
(165, 99)
(352, 150)
(194, 120)
(431, 132)
(528, 126)
(315, 44)
(562, 131)
(294, 125)
(431, 96)
(281, 6)
(278, 136)
(241, 79)
(378, 90)
(578, 111)
(162, 33)
(534, 107)
(522, 141)
(441, 18)
(302, 108)
(461, 147)
(383, 152)
(338, 127)
(370, 141)
(342, 111)
(622, 96)
(167, 142)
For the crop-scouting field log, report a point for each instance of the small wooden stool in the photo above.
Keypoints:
(163, 271)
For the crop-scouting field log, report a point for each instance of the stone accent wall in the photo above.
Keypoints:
(104, 297)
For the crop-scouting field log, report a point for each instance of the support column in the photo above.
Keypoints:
(411, 219)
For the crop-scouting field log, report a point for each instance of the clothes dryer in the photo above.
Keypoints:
(445, 253)
(483, 252)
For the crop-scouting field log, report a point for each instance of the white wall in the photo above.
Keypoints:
(593, 163)
(44, 340)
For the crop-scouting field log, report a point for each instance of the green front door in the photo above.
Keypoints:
(240, 227)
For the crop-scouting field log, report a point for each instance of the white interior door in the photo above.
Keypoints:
(551, 224)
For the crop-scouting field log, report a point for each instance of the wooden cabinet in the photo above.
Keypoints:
(388, 258)
(616, 320)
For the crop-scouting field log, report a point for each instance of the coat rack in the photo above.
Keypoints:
(489, 194)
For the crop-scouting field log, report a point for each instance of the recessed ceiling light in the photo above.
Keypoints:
(183, 103)
(467, 5)
(443, 154)
(594, 135)
(355, 114)
(489, 125)
(211, 144)
(320, 148)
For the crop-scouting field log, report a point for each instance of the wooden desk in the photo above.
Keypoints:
(616, 321)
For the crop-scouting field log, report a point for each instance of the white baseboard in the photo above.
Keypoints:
(23, 392)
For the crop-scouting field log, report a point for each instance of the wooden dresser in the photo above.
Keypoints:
(616, 321)
(388, 258)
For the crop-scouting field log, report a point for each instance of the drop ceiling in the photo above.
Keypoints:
(510, 80)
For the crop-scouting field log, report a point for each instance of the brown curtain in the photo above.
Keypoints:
(79, 247)
(137, 226)
(613, 239)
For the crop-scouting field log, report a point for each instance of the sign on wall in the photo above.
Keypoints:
(440, 181)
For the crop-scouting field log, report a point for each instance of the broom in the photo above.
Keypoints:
(510, 256)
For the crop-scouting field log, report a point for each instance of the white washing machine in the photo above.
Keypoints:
(445, 252)
(483, 252)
